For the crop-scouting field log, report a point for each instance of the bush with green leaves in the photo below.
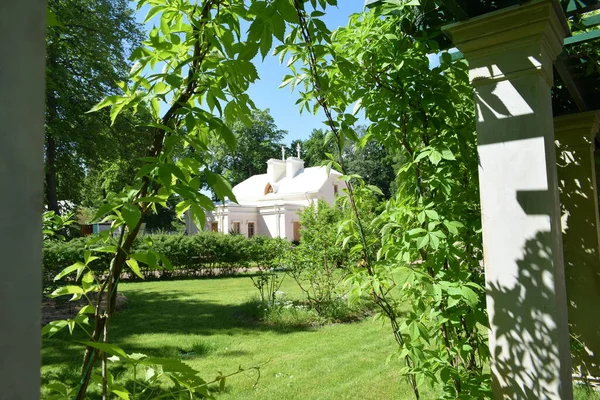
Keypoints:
(268, 256)
(205, 254)
(319, 263)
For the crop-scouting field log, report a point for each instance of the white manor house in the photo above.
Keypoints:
(268, 204)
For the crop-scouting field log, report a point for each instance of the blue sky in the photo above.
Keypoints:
(281, 102)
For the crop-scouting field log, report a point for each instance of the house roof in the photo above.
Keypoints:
(309, 180)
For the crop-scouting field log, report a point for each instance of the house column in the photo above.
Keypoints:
(510, 54)
(22, 72)
(575, 135)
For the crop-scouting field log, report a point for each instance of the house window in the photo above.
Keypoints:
(296, 231)
(250, 229)
(335, 190)
(214, 227)
(236, 227)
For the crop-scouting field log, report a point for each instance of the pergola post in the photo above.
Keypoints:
(575, 135)
(510, 54)
(22, 71)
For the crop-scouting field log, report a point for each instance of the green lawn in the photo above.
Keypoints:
(205, 323)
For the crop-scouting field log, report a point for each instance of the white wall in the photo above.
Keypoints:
(272, 218)
(265, 224)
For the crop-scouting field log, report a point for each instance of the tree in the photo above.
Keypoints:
(86, 57)
(206, 73)
(316, 147)
(370, 159)
(257, 143)
(374, 163)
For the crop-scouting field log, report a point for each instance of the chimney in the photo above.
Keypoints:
(275, 170)
(293, 167)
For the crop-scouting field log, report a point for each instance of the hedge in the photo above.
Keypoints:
(205, 254)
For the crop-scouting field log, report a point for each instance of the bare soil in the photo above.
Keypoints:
(60, 308)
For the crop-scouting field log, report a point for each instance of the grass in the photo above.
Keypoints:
(207, 324)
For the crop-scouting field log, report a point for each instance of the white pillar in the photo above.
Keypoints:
(510, 53)
(575, 135)
(22, 45)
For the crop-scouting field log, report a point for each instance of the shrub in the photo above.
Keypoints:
(57, 255)
(318, 264)
(205, 254)
(268, 255)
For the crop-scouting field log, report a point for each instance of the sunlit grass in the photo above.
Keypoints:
(206, 323)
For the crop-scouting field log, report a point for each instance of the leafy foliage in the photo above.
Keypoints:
(318, 264)
(199, 64)
(86, 54)
(269, 257)
(260, 141)
(54, 225)
(205, 254)
(429, 253)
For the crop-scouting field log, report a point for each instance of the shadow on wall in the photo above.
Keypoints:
(581, 249)
(524, 275)
(525, 353)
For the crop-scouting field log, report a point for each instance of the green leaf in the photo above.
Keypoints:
(164, 175)
(103, 210)
(166, 262)
(435, 157)
(286, 80)
(447, 155)
(432, 214)
(435, 241)
(181, 208)
(357, 107)
(153, 11)
(51, 19)
(115, 110)
(134, 266)
(469, 295)
(87, 281)
(175, 171)
(108, 348)
(131, 214)
(198, 216)
(266, 43)
(374, 189)
(53, 327)
(220, 185)
(120, 392)
(87, 309)
(64, 290)
(451, 227)
(416, 231)
(107, 101)
(422, 242)
(170, 365)
(75, 267)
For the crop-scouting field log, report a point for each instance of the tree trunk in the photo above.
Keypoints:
(50, 160)
(50, 145)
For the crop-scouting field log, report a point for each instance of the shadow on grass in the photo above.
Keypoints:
(172, 312)
(163, 313)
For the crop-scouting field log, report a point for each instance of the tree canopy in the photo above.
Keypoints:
(257, 143)
(86, 57)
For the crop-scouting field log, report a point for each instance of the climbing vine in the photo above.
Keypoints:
(422, 257)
